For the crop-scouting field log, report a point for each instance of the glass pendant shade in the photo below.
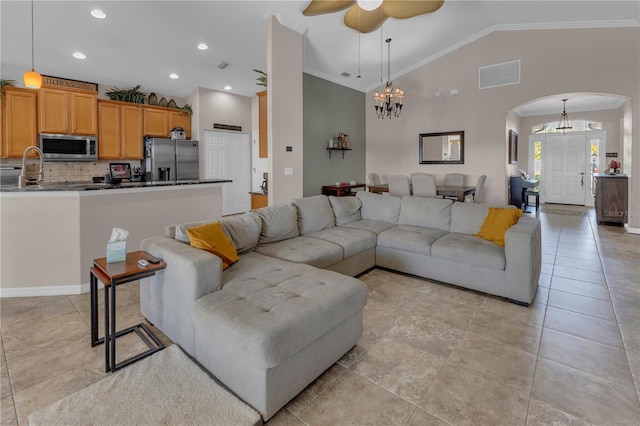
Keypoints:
(32, 79)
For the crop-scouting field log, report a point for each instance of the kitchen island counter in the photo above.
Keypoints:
(50, 235)
(89, 186)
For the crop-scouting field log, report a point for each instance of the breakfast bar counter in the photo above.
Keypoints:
(50, 234)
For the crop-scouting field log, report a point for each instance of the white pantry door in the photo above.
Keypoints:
(565, 169)
(227, 156)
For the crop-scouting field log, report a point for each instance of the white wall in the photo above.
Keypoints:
(284, 103)
(593, 66)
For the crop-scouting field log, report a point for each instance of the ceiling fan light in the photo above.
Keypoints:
(32, 79)
(369, 4)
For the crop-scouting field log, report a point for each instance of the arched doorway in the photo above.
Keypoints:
(564, 160)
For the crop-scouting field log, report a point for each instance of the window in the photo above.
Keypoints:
(578, 126)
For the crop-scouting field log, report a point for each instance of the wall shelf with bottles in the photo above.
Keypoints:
(338, 149)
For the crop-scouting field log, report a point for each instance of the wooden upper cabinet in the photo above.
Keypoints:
(67, 111)
(132, 135)
(156, 122)
(19, 121)
(110, 134)
(263, 134)
(178, 119)
(120, 135)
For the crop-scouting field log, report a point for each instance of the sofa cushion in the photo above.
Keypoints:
(497, 222)
(467, 218)
(426, 212)
(314, 214)
(312, 251)
(374, 226)
(469, 250)
(379, 207)
(274, 319)
(243, 230)
(345, 209)
(179, 232)
(414, 239)
(212, 238)
(352, 241)
(279, 223)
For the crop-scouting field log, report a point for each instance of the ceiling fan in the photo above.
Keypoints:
(367, 15)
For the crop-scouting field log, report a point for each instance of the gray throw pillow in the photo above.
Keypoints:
(243, 231)
(279, 223)
(385, 208)
(314, 214)
(346, 209)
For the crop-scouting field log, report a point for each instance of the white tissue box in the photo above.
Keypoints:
(117, 251)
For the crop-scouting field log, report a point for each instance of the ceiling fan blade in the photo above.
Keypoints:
(402, 9)
(319, 7)
(364, 21)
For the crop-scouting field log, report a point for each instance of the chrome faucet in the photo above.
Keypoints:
(22, 179)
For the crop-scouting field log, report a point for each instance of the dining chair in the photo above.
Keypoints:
(374, 179)
(413, 175)
(478, 197)
(454, 179)
(399, 185)
(424, 185)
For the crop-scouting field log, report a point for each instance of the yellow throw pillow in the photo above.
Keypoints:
(497, 222)
(211, 237)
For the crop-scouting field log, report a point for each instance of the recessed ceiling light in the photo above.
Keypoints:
(97, 13)
(174, 76)
(227, 87)
(79, 55)
(203, 46)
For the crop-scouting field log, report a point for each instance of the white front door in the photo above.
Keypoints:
(227, 157)
(565, 169)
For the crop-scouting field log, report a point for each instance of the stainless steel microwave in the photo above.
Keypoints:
(68, 147)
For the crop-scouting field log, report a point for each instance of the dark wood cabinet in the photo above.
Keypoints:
(611, 198)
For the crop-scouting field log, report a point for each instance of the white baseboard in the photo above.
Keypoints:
(61, 290)
(631, 230)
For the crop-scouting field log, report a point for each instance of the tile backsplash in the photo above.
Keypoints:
(72, 171)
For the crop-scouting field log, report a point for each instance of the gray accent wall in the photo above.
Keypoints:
(329, 109)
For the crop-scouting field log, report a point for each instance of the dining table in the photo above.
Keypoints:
(459, 192)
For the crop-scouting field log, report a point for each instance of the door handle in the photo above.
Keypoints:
(581, 178)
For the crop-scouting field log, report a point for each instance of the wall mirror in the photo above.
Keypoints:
(442, 148)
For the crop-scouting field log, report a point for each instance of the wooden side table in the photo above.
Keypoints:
(341, 190)
(111, 275)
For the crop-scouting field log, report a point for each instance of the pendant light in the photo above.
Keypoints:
(32, 79)
(564, 123)
(388, 101)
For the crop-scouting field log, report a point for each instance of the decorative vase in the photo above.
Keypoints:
(153, 99)
(163, 102)
(172, 104)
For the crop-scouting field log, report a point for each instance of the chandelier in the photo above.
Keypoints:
(564, 123)
(388, 101)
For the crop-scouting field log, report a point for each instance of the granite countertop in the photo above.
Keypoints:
(88, 186)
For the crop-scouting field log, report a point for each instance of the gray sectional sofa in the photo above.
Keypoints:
(271, 323)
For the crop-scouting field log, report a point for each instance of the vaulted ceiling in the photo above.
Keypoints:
(142, 42)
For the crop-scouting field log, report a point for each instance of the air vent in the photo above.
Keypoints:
(345, 74)
(222, 65)
(499, 75)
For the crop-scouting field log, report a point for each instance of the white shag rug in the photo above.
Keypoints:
(167, 388)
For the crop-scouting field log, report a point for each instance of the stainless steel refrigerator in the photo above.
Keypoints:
(170, 160)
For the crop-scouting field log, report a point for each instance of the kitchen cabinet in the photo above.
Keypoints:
(120, 130)
(19, 121)
(611, 199)
(259, 200)
(156, 121)
(178, 119)
(263, 134)
(67, 111)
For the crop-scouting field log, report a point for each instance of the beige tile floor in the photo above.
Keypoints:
(431, 354)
